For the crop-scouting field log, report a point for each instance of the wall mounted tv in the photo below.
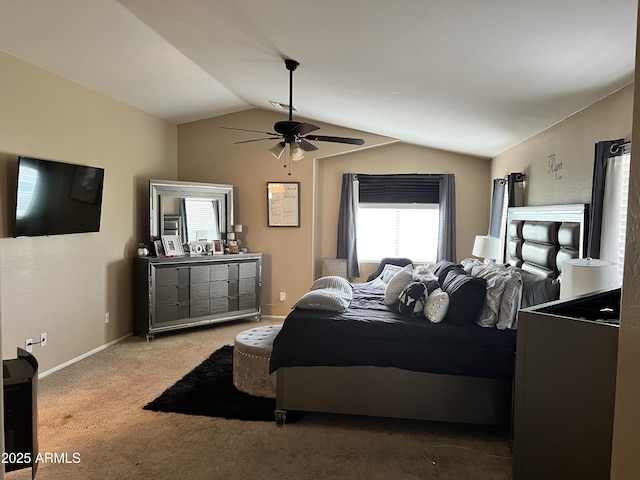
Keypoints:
(55, 198)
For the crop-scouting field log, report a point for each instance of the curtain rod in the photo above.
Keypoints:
(615, 148)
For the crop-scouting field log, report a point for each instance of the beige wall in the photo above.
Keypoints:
(473, 191)
(63, 285)
(559, 161)
(291, 255)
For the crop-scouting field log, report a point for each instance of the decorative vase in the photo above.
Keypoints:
(143, 251)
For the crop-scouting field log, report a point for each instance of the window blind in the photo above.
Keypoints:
(399, 188)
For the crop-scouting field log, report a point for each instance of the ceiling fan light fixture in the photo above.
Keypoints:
(296, 152)
(278, 149)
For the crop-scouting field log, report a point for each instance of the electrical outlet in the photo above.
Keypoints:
(43, 339)
(106, 317)
(283, 296)
(28, 345)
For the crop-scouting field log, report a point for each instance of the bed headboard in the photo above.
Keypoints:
(540, 238)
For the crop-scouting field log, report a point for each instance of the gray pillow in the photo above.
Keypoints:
(330, 299)
(332, 281)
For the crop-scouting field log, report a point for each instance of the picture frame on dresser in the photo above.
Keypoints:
(159, 249)
(217, 247)
(172, 245)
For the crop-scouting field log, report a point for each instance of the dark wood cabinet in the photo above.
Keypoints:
(20, 387)
(565, 388)
(180, 292)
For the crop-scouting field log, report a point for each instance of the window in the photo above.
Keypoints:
(398, 230)
(614, 211)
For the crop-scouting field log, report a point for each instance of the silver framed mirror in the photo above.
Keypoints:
(193, 211)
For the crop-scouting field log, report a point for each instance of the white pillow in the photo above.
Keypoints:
(436, 306)
(388, 272)
(397, 284)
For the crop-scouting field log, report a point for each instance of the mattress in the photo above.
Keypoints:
(371, 333)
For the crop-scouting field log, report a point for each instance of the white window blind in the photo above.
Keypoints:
(614, 211)
(398, 230)
(201, 217)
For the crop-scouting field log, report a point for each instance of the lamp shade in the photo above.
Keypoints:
(486, 247)
(586, 275)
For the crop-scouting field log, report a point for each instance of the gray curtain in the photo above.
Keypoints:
(497, 207)
(601, 157)
(347, 224)
(447, 208)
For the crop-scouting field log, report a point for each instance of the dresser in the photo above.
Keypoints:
(565, 385)
(181, 292)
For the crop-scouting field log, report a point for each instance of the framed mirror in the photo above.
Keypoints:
(193, 211)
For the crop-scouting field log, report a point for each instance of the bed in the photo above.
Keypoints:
(372, 359)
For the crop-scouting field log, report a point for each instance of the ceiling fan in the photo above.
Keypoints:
(295, 134)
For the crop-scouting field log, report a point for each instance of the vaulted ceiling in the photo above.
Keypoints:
(474, 77)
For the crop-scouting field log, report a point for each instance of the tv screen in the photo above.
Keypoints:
(55, 198)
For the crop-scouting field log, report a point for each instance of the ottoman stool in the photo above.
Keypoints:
(251, 355)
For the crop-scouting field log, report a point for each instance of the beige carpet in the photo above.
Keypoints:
(93, 409)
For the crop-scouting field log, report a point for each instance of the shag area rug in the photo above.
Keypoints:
(208, 390)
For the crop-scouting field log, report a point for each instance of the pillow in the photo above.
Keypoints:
(330, 299)
(466, 297)
(510, 304)
(388, 272)
(410, 300)
(332, 281)
(443, 267)
(436, 306)
(496, 281)
(469, 263)
(397, 284)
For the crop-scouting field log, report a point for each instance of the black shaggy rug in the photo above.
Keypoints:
(208, 390)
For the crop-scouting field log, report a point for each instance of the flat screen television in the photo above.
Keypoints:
(55, 198)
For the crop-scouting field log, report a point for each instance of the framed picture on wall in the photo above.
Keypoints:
(283, 204)
(172, 245)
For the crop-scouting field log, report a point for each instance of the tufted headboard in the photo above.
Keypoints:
(540, 238)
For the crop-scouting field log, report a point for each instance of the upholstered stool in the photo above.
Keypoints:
(251, 355)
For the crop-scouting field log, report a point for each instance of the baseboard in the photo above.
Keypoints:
(83, 356)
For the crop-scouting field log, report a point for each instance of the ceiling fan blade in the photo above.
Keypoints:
(324, 138)
(306, 146)
(303, 129)
(246, 130)
(257, 140)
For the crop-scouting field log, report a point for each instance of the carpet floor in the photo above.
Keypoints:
(95, 408)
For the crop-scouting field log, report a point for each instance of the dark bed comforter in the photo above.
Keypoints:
(371, 333)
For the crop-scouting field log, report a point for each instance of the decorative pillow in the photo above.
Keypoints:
(389, 272)
(410, 300)
(443, 267)
(397, 284)
(330, 299)
(332, 281)
(510, 304)
(496, 280)
(436, 306)
(466, 297)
